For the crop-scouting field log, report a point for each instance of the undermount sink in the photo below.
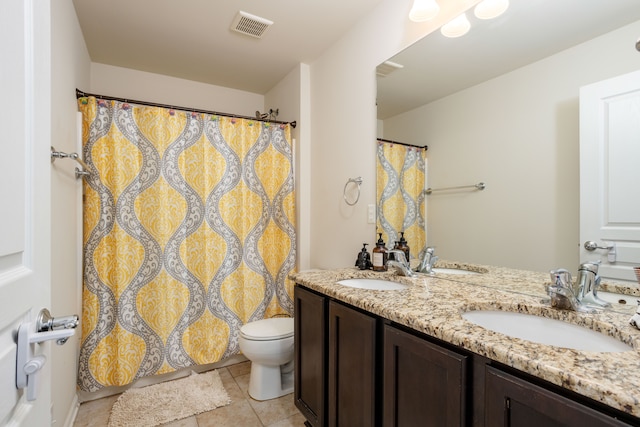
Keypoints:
(443, 270)
(546, 331)
(373, 284)
(619, 299)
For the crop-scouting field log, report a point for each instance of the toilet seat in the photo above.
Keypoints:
(268, 329)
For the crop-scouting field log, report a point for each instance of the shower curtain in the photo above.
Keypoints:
(400, 178)
(189, 233)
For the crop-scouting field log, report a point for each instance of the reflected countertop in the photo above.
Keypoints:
(433, 305)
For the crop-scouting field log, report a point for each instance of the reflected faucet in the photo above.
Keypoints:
(588, 283)
(400, 263)
(429, 259)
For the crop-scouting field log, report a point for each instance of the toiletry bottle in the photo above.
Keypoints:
(404, 246)
(364, 259)
(380, 255)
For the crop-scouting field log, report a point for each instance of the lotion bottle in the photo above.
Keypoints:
(380, 255)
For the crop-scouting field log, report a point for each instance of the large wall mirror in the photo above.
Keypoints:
(500, 105)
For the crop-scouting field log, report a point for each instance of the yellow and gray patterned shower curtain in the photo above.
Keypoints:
(400, 178)
(189, 233)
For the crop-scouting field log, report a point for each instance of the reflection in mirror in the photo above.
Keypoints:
(501, 105)
(400, 188)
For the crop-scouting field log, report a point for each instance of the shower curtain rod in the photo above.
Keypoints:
(423, 147)
(80, 94)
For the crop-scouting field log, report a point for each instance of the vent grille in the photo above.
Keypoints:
(387, 68)
(250, 25)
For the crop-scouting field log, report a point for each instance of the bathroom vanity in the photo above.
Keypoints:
(408, 358)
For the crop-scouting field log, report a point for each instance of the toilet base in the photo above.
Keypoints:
(269, 382)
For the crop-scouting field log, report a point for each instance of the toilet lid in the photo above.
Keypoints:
(268, 329)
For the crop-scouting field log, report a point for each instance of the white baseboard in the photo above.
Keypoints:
(72, 413)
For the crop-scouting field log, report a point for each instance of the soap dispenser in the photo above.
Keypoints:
(380, 255)
(404, 246)
(363, 262)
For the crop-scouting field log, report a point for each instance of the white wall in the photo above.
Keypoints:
(343, 131)
(291, 98)
(121, 82)
(70, 68)
(519, 134)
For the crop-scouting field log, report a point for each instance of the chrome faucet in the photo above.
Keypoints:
(562, 293)
(581, 295)
(400, 263)
(429, 259)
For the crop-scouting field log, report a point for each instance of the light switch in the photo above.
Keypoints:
(371, 214)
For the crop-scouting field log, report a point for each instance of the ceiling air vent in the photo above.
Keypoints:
(250, 25)
(386, 68)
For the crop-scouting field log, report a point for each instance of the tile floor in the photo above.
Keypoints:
(242, 412)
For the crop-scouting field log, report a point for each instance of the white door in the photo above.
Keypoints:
(24, 196)
(610, 174)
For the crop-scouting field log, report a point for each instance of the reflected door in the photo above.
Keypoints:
(610, 175)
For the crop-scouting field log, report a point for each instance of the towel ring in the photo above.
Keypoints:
(357, 181)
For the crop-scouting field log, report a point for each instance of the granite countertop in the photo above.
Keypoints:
(433, 305)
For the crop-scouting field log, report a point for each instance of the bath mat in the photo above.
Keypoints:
(169, 401)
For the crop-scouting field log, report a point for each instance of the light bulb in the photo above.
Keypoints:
(489, 9)
(423, 10)
(457, 27)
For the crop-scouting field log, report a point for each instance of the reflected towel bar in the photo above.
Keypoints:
(478, 186)
(60, 155)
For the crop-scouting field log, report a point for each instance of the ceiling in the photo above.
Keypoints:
(191, 39)
(529, 31)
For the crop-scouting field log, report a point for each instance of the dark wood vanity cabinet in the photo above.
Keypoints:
(310, 355)
(335, 362)
(352, 371)
(355, 369)
(512, 401)
(424, 384)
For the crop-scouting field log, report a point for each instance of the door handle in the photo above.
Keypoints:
(590, 245)
(45, 328)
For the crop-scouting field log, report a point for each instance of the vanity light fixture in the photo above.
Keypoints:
(489, 9)
(424, 10)
(457, 27)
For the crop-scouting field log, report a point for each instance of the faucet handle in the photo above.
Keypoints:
(562, 277)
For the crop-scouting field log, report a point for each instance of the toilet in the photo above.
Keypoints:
(268, 344)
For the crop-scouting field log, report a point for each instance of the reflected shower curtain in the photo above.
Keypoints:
(400, 178)
(188, 234)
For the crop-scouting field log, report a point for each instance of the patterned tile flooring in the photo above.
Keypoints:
(242, 412)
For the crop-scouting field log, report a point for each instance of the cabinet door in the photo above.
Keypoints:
(424, 384)
(511, 401)
(310, 341)
(352, 349)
